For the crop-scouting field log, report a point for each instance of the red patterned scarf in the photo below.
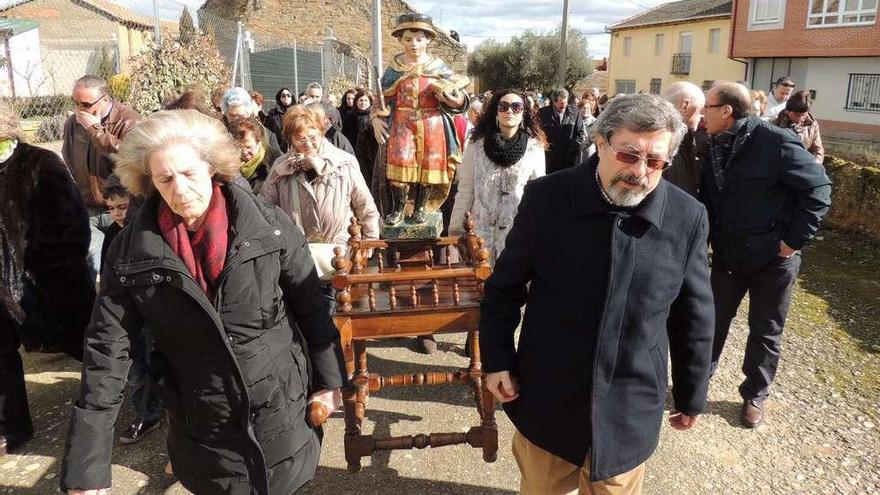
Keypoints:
(205, 253)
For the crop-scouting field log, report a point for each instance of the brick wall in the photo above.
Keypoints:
(795, 40)
(350, 21)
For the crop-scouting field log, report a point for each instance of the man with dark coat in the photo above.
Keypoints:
(91, 135)
(46, 292)
(686, 170)
(564, 127)
(610, 261)
(766, 197)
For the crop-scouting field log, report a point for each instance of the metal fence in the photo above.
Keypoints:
(44, 54)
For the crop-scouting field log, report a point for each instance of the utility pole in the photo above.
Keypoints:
(560, 77)
(377, 38)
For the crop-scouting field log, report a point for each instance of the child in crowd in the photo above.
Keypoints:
(148, 410)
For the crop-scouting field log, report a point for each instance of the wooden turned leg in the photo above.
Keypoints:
(485, 402)
(352, 428)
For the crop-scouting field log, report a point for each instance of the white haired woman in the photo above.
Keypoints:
(239, 323)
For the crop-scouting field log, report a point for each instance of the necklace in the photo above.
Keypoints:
(602, 190)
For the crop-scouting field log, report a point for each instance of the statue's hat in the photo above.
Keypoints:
(414, 22)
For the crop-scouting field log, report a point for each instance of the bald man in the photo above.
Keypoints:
(687, 166)
(766, 196)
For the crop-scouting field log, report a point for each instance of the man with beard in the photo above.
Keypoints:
(610, 262)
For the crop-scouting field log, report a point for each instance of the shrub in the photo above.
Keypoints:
(170, 66)
(120, 87)
(51, 129)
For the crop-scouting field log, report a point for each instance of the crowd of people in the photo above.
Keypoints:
(209, 223)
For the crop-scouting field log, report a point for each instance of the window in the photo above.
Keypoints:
(766, 11)
(714, 40)
(767, 14)
(655, 86)
(707, 84)
(685, 42)
(825, 13)
(863, 93)
(659, 44)
(625, 86)
(627, 46)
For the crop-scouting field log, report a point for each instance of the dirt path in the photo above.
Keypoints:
(821, 433)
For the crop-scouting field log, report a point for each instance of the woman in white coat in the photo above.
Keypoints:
(506, 151)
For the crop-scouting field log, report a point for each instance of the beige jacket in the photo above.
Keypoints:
(327, 203)
(87, 151)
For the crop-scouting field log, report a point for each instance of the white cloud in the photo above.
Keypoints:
(503, 19)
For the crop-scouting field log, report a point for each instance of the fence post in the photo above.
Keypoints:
(295, 72)
(237, 54)
(327, 69)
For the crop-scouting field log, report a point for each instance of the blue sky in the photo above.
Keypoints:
(479, 20)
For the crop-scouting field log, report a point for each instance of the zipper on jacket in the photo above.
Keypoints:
(616, 221)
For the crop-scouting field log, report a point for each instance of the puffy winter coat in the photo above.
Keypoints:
(234, 372)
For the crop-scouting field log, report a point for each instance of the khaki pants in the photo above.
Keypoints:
(542, 473)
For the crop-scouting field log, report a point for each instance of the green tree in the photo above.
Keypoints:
(530, 61)
(186, 26)
(168, 67)
(106, 65)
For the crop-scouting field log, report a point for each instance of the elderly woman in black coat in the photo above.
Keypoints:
(242, 333)
(46, 292)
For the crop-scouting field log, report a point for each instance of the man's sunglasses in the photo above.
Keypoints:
(86, 106)
(632, 159)
(516, 106)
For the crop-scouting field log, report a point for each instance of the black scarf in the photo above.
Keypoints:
(505, 152)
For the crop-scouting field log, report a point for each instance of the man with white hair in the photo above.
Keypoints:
(687, 166)
(237, 106)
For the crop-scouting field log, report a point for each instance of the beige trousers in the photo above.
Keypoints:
(542, 473)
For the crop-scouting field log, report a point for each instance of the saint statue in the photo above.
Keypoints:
(423, 148)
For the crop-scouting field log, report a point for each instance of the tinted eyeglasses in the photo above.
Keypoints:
(86, 105)
(286, 95)
(504, 106)
(628, 158)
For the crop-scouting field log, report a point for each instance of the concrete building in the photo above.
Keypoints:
(831, 48)
(677, 41)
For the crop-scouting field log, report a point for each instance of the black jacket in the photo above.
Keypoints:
(772, 189)
(233, 372)
(46, 290)
(686, 171)
(338, 139)
(275, 123)
(353, 122)
(658, 302)
(564, 138)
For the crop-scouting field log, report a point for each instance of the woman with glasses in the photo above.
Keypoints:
(318, 185)
(275, 117)
(506, 151)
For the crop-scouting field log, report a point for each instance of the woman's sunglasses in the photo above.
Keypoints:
(516, 106)
(632, 159)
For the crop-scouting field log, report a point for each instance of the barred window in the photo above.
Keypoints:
(655, 86)
(863, 93)
(625, 86)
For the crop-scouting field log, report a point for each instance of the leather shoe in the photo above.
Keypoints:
(138, 431)
(427, 344)
(752, 414)
(9, 442)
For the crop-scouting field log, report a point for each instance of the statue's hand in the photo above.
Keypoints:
(380, 130)
(452, 100)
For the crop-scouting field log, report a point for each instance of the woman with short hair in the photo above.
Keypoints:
(242, 334)
(318, 185)
(797, 117)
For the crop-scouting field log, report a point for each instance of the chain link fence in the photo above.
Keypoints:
(48, 44)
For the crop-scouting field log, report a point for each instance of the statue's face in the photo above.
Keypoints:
(414, 43)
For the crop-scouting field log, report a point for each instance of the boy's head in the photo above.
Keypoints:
(117, 199)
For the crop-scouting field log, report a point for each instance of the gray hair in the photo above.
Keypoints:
(558, 93)
(640, 113)
(683, 90)
(206, 135)
(236, 97)
(10, 128)
(314, 85)
(92, 82)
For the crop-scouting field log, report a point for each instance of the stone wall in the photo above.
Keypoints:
(307, 22)
(855, 197)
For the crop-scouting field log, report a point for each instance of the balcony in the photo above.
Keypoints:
(681, 63)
